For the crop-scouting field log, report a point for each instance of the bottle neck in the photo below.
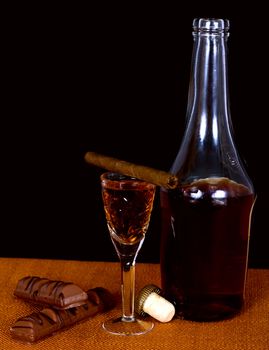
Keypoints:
(207, 148)
(208, 132)
(208, 91)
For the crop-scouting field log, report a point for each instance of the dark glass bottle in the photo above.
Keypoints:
(206, 221)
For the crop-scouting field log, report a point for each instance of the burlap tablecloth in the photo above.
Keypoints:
(249, 330)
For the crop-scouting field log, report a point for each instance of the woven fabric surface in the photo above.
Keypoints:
(247, 331)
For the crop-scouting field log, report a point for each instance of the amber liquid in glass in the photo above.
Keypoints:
(204, 247)
(128, 214)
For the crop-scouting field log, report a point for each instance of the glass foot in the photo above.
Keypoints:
(122, 327)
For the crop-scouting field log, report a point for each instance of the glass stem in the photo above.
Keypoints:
(127, 290)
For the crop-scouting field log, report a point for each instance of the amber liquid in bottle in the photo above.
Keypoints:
(206, 231)
(206, 221)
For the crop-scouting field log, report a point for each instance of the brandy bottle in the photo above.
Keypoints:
(206, 220)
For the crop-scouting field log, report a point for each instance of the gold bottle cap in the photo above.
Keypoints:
(149, 301)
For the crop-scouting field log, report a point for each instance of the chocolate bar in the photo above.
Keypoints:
(41, 324)
(58, 294)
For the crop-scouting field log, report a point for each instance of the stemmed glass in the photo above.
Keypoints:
(128, 204)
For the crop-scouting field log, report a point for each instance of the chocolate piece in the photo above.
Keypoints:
(41, 324)
(54, 293)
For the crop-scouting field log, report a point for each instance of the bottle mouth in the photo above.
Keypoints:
(211, 25)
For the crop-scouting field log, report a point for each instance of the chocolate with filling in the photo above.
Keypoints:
(54, 293)
(41, 324)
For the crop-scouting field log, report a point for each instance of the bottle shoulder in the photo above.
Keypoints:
(200, 159)
(215, 190)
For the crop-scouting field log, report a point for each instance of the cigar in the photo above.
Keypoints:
(154, 176)
(37, 325)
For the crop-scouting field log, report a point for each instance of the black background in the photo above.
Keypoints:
(112, 79)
